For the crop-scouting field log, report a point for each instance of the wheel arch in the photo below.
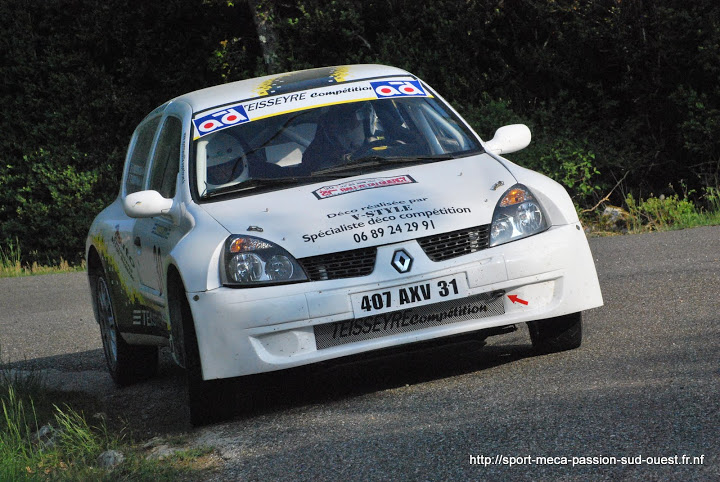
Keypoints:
(174, 280)
(175, 289)
(94, 268)
(94, 263)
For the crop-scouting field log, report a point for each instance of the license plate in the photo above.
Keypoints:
(403, 321)
(409, 296)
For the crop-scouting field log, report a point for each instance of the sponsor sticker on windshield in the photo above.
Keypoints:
(361, 185)
(398, 88)
(220, 120)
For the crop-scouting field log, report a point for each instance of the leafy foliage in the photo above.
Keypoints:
(45, 188)
(660, 212)
(77, 76)
(609, 89)
(596, 73)
(572, 165)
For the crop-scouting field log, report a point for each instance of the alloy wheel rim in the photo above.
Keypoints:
(107, 325)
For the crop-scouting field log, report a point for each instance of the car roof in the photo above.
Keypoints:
(210, 97)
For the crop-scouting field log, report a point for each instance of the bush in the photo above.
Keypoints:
(53, 203)
(609, 89)
(77, 76)
(572, 164)
(661, 213)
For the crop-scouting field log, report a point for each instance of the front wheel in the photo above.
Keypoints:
(127, 363)
(209, 401)
(556, 334)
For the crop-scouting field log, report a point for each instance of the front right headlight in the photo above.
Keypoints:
(249, 261)
(517, 215)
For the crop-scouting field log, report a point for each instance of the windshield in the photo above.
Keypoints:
(315, 143)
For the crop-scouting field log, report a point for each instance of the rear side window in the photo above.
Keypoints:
(166, 159)
(139, 156)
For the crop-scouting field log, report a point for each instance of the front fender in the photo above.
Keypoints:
(197, 255)
(551, 194)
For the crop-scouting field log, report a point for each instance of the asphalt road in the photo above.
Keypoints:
(645, 385)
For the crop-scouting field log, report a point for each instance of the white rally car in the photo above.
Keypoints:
(286, 220)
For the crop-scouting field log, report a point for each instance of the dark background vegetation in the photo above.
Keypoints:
(613, 90)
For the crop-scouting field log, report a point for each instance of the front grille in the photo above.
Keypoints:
(344, 264)
(440, 247)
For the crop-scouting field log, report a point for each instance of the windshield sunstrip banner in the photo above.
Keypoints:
(235, 114)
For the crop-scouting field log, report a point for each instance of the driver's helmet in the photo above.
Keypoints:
(350, 125)
(226, 160)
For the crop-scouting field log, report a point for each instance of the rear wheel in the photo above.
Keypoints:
(556, 334)
(127, 363)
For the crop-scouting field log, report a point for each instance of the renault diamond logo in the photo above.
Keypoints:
(401, 261)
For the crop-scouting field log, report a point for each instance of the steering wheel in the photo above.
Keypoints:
(228, 172)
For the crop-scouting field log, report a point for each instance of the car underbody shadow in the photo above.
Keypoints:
(377, 371)
(158, 405)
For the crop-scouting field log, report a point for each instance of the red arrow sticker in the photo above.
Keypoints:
(515, 299)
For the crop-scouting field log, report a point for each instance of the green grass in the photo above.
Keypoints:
(71, 452)
(672, 212)
(11, 264)
(662, 213)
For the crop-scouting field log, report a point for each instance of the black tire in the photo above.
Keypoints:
(556, 334)
(208, 401)
(127, 364)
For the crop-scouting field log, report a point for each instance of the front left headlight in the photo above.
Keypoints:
(517, 215)
(249, 261)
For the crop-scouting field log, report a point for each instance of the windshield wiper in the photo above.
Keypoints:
(256, 183)
(370, 161)
(260, 182)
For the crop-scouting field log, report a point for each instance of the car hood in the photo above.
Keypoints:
(372, 209)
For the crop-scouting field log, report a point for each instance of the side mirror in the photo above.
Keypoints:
(509, 139)
(146, 204)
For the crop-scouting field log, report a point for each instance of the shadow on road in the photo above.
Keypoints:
(360, 375)
(158, 405)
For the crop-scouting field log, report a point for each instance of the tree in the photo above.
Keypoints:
(264, 18)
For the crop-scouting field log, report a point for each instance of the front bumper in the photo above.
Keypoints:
(249, 331)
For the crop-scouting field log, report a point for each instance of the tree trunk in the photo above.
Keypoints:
(263, 15)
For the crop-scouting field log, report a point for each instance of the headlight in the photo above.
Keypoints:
(251, 261)
(517, 215)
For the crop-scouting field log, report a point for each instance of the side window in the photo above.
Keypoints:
(166, 161)
(139, 156)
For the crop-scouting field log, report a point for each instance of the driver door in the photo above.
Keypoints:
(153, 237)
